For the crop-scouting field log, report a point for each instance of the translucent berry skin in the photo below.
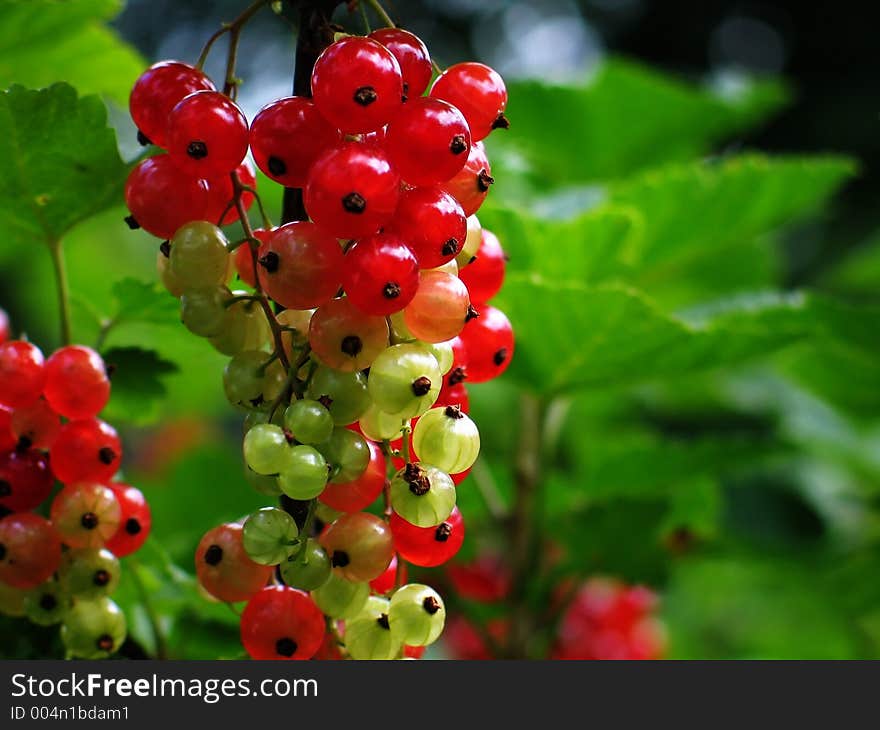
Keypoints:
(221, 192)
(479, 93)
(309, 570)
(454, 395)
(277, 134)
(412, 56)
(381, 274)
(157, 91)
(22, 374)
(281, 623)
(7, 438)
(358, 494)
(432, 223)
(472, 183)
(135, 521)
(300, 265)
(484, 276)
(344, 338)
(36, 426)
(416, 614)
(439, 309)
(30, 550)
(385, 583)
(447, 439)
(357, 85)
(428, 141)
(359, 545)
(224, 568)
(93, 629)
(86, 514)
(368, 635)
(405, 379)
(77, 385)
(161, 199)
(428, 547)
(86, 450)
(357, 203)
(490, 344)
(25, 480)
(199, 255)
(425, 503)
(207, 134)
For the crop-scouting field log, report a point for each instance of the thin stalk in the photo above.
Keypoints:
(57, 253)
(235, 25)
(380, 11)
(152, 617)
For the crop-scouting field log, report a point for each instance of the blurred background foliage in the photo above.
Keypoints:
(687, 198)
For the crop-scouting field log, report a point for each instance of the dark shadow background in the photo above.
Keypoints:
(828, 54)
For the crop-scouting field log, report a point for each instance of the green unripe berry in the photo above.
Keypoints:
(305, 472)
(93, 629)
(270, 536)
(199, 255)
(380, 426)
(340, 598)
(405, 379)
(345, 393)
(416, 614)
(442, 352)
(347, 453)
(308, 421)
(369, 636)
(89, 573)
(203, 311)
(447, 438)
(309, 570)
(46, 604)
(266, 450)
(423, 495)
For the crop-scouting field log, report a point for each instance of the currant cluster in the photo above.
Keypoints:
(354, 332)
(601, 618)
(60, 549)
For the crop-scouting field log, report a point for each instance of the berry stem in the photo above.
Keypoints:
(57, 253)
(232, 28)
(380, 11)
(524, 524)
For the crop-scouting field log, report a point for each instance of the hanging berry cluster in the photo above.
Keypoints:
(62, 569)
(351, 344)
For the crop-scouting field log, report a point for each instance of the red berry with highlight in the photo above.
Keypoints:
(489, 342)
(280, 622)
(224, 568)
(135, 521)
(471, 184)
(412, 56)
(25, 480)
(479, 93)
(86, 514)
(381, 274)
(363, 491)
(278, 139)
(35, 426)
(432, 223)
(428, 546)
(484, 275)
(86, 450)
(22, 373)
(77, 385)
(357, 85)
(30, 550)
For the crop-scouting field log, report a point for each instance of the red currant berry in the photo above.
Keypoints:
(478, 91)
(484, 275)
(439, 309)
(30, 550)
(357, 85)
(35, 426)
(412, 56)
(161, 198)
(344, 338)
(428, 547)
(363, 491)
(77, 385)
(157, 91)
(457, 374)
(352, 190)
(280, 622)
(278, 135)
(25, 480)
(221, 193)
(489, 342)
(86, 450)
(22, 373)
(8, 440)
(381, 274)
(359, 545)
(300, 265)
(207, 134)
(224, 568)
(471, 185)
(135, 521)
(432, 223)
(86, 514)
(428, 141)
(454, 395)
(385, 583)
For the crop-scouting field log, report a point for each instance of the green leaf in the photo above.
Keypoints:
(140, 301)
(137, 383)
(44, 41)
(627, 118)
(693, 211)
(573, 336)
(62, 165)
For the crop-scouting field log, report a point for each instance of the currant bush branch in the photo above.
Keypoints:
(57, 253)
